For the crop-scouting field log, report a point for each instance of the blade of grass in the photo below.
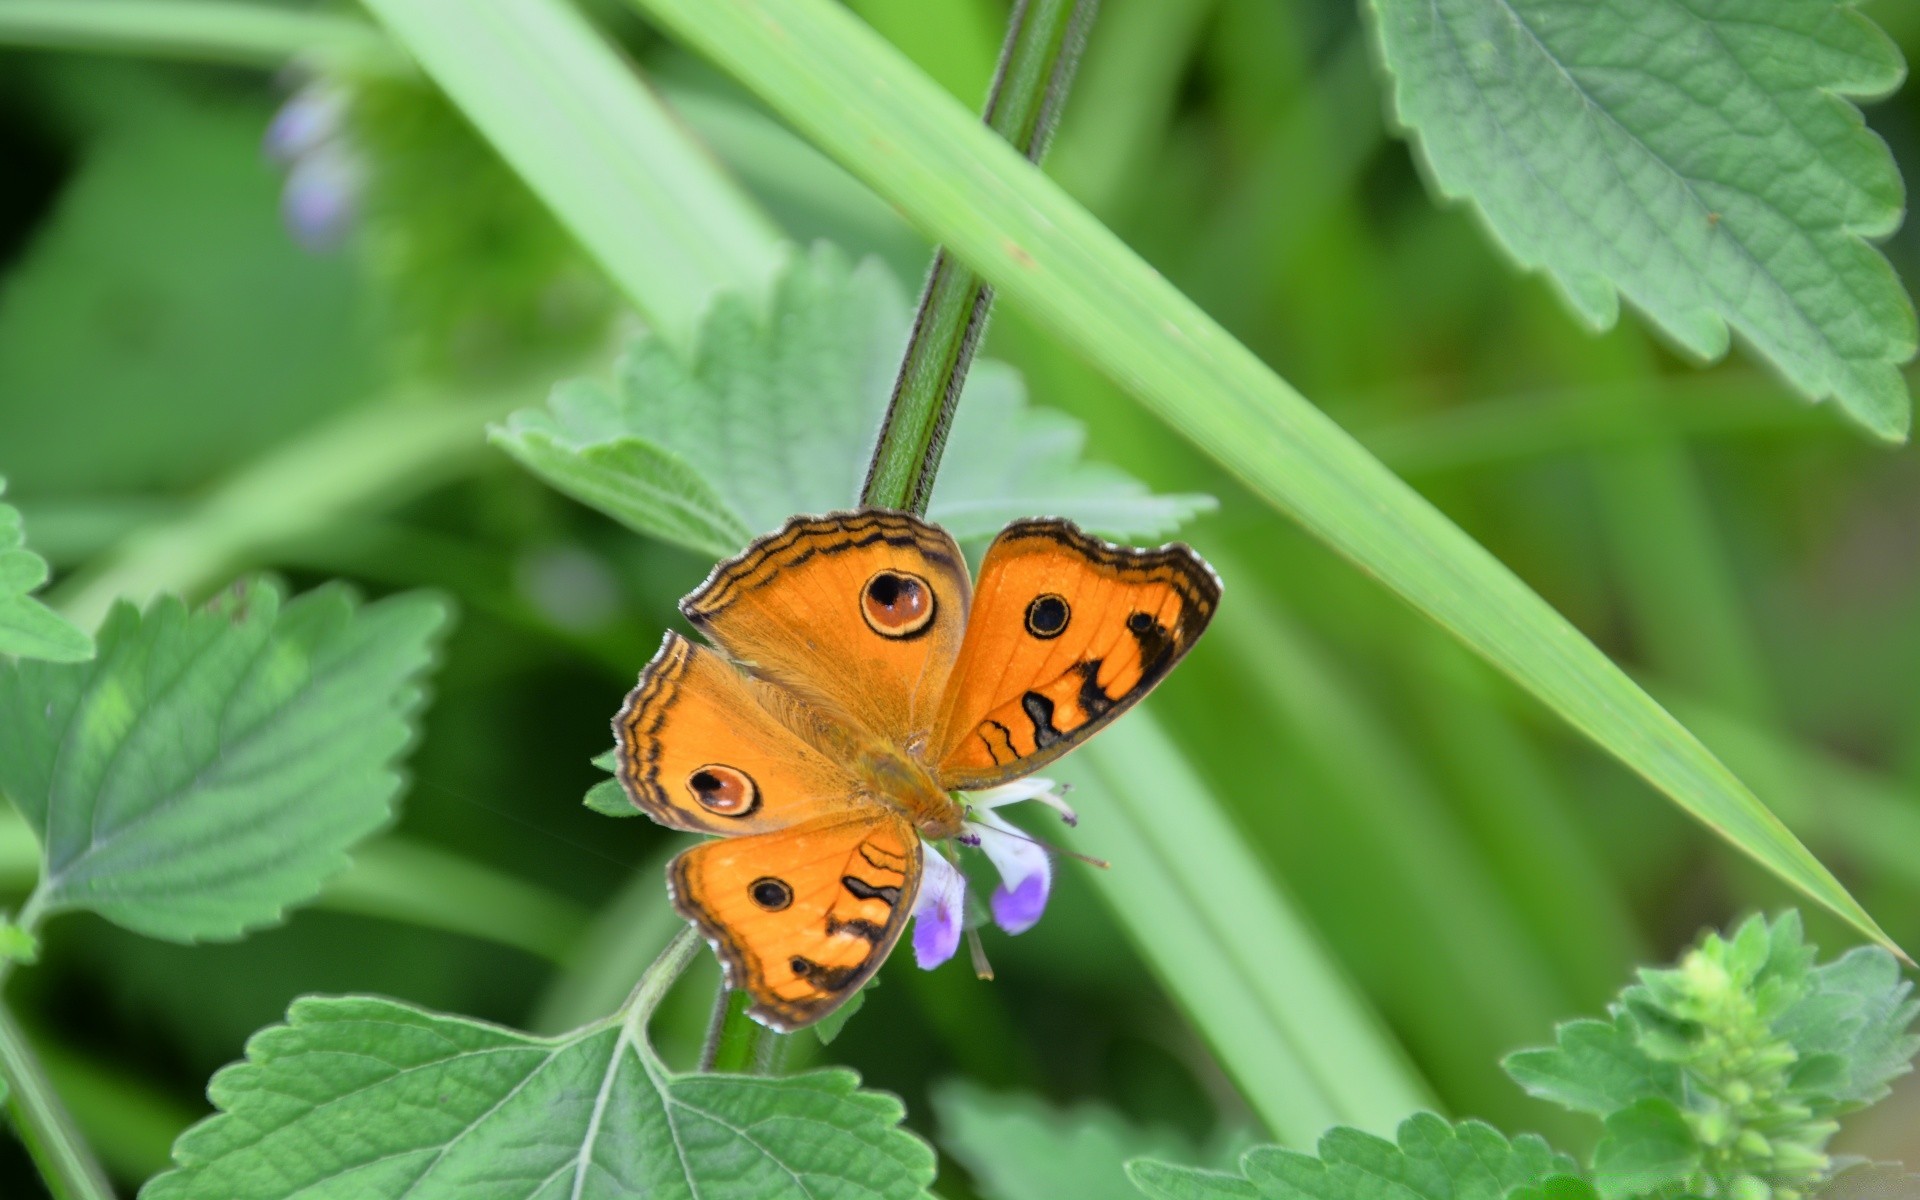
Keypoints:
(849, 91)
(1304, 1047)
(596, 146)
(204, 30)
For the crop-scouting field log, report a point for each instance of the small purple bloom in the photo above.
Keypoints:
(322, 197)
(1025, 867)
(310, 118)
(940, 911)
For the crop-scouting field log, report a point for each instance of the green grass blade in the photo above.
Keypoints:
(604, 154)
(203, 30)
(856, 97)
(1302, 1044)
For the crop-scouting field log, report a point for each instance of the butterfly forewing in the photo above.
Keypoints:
(1066, 633)
(698, 750)
(860, 613)
(804, 916)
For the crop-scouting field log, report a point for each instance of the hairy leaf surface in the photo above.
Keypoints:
(210, 768)
(776, 412)
(1432, 1160)
(29, 628)
(359, 1097)
(1697, 158)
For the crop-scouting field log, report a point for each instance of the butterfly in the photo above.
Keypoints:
(860, 679)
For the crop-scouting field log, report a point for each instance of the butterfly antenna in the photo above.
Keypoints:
(1049, 847)
(981, 967)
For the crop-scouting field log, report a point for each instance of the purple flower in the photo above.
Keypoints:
(325, 176)
(1026, 873)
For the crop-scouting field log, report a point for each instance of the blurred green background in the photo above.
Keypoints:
(188, 390)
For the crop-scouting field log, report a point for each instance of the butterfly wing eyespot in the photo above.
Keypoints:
(862, 610)
(1048, 615)
(1066, 633)
(770, 893)
(724, 791)
(897, 604)
(802, 916)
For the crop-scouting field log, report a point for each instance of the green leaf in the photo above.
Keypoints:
(830, 1026)
(860, 101)
(607, 797)
(1858, 1012)
(1594, 1067)
(644, 486)
(358, 1097)
(775, 414)
(209, 769)
(28, 628)
(1017, 1147)
(1647, 1147)
(1432, 1160)
(1697, 159)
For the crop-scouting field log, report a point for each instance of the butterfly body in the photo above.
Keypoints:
(863, 683)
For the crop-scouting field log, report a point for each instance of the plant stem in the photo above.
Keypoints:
(66, 1163)
(1042, 49)
(656, 979)
(1037, 62)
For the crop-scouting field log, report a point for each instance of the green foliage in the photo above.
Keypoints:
(28, 628)
(1018, 1148)
(357, 1097)
(1697, 159)
(210, 768)
(776, 412)
(1432, 1160)
(1733, 1066)
(1723, 1076)
(1049, 258)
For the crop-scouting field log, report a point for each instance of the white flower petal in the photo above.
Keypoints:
(939, 913)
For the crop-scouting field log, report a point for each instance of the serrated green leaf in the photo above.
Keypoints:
(1017, 1147)
(645, 487)
(1593, 1067)
(1164, 1181)
(1697, 159)
(1647, 1147)
(776, 411)
(1858, 1012)
(1432, 1160)
(28, 628)
(359, 1097)
(210, 768)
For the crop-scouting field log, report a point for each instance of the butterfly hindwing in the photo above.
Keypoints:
(803, 916)
(699, 748)
(1066, 633)
(859, 613)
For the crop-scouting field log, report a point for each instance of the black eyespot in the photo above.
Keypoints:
(1141, 622)
(770, 893)
(1047, 616)
(897, 604)
(801, 966)
(724, 791)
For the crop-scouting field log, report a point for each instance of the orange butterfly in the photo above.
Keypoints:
(865, 687)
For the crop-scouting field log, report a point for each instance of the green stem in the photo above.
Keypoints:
(40, 1120)
(1037, 63)
(656, 979)
(1044, 42)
